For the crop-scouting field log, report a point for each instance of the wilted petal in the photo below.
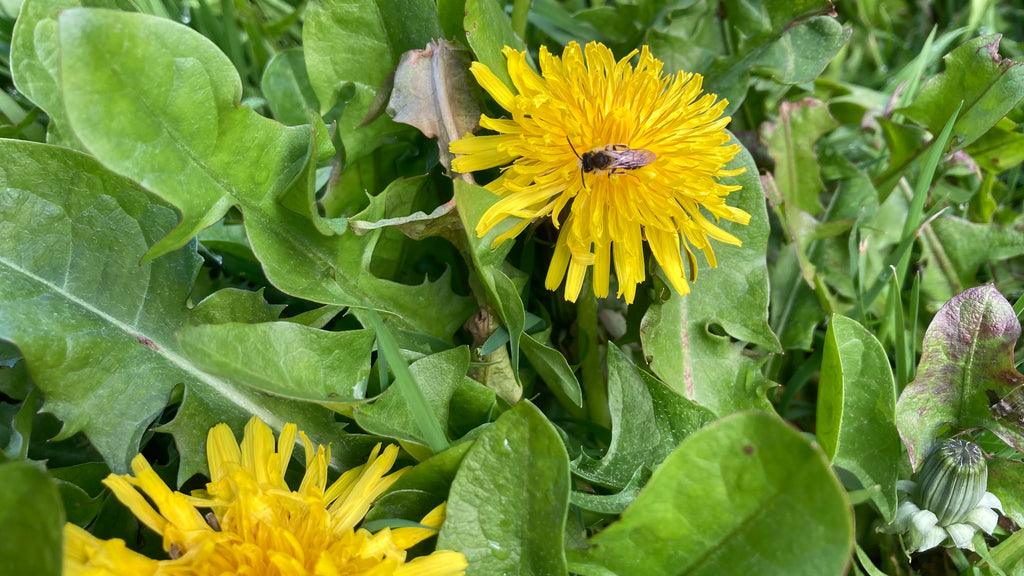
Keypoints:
(990, 500)
(982, 518)
(921, 541)
(905, 515)
(923, 521)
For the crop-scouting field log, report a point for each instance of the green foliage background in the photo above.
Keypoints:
(208, 211)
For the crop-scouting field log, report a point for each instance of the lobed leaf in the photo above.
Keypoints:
(988, 85)
(157, 102)
(797, 172)
(791, 40)
(35, 64)
(96, 328)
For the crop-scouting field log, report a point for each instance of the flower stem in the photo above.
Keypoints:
(595, 391)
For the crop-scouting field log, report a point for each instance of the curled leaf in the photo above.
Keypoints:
(433, 93)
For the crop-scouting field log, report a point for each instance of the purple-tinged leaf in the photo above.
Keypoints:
(967, 356)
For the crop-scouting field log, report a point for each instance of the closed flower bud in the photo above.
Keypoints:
(952, 481)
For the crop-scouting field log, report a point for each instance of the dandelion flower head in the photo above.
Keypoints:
(257, 525)
(634, 153)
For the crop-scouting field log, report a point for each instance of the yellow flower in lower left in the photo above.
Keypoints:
(257, 525)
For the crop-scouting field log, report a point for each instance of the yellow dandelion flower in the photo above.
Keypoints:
(635, 154)
(258, 526)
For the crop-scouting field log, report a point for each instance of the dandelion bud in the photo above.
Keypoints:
(953, 480)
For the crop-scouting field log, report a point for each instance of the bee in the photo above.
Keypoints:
(613, 159)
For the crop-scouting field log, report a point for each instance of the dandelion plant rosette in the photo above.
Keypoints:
(257, 524)
(586, 105)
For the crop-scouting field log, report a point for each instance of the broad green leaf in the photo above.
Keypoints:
(284, 359)
(97, 329)
(617, 25)
(790, 140)
(34, 63)
(488, 31)
(399, 508)
(351, 46)
(697, 363)
(157, 102)
(685, 45)
(1006, 481)
(427, 482)
(988, 85)
(33, 521)
(745, 495)
(472, 202)
(10, 8)
(1008, 556)
(648, 421)
(508, 502)
(856, 416)
(439, 376)
(287, 89)
(967, 354)
(758, 21)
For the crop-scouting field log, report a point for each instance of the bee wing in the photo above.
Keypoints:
(632, 158)
(645, 156)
